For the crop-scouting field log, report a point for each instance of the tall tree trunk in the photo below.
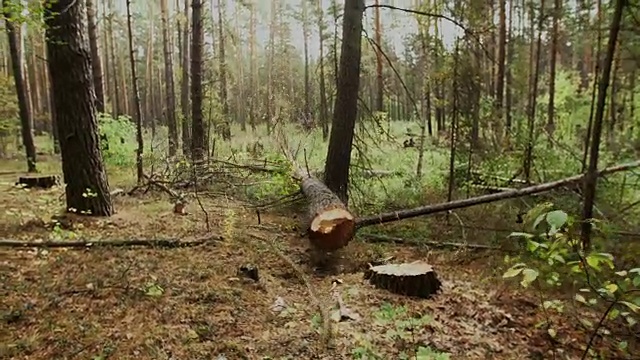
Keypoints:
(226, 126)
(150, 116)
(17, 65)
(379, 105)
(346, 105)
(136, 97)
(528, 157)
(307, 85)
(591, 178)
(324, 114)
(96, 62)
(509, 80)
(170, 91)
(557, 8)
(197, 40)
(87, 187)
(502, 51)
(270, 65)
(117, 100)
(184, 86)
(252, 66)
(241, 89)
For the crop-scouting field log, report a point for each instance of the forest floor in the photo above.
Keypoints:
(194, 303)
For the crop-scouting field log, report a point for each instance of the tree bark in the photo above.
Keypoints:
(170, 90)
(346, 103)
(324, 115)
(502, 39)
(591, 178)
(87, 188)
(552, 67)
(198, 129)
(226, 126)
(26, 120)
(96, 62)
(379, 105)
(136, 98)
(184, 86)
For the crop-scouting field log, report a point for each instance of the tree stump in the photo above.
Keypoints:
(38, 181)
(411, 279)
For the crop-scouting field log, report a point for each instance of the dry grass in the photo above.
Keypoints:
(191, 303)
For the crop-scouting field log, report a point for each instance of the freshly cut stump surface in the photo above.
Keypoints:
(416, 279)
(38, 181)
(331, 224)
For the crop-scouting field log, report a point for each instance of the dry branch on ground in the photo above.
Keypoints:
(157, 243)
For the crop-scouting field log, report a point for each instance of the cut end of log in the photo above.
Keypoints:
(332, 229)
(326, 222)
(411, 279)
(40, 181)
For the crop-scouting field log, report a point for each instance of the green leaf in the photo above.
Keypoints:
(557, 219)
(633, 307)
(636, 281)
(613, 314)
(533, 245)
(538, 221)
(528, 276)
(154, 290)
(580, 298)
(611, 288)
(514, 270)
(586, 322)
(622, 345)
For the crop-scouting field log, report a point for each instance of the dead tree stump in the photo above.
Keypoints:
(38, 181)
(411, 279)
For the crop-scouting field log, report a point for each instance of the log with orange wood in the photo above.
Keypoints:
(331, 224)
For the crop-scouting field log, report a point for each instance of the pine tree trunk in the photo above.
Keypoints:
(87, 188)
(26, 120)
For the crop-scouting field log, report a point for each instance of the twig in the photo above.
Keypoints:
(195, 193)
(160, 243)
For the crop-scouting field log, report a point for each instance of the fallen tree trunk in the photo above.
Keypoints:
(484, 199)
(331, 224)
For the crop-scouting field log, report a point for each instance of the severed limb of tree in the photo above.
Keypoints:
(159, 243)
(484, 199)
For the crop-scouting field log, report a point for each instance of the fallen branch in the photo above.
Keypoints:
(160, 243)
(412, 242)
(484, 199)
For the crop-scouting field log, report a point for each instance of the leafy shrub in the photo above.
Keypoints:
(120, 133)
(555, 259)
